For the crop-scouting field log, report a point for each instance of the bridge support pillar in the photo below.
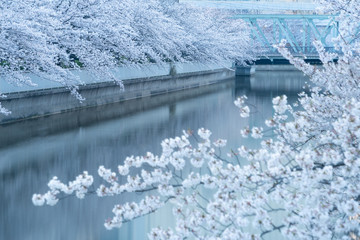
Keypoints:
(244, 70)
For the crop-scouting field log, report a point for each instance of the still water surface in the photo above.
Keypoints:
(33, 151)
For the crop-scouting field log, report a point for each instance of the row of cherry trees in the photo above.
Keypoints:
(50, 39)
(303, 184)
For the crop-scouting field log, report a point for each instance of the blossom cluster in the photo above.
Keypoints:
(133, 210)
(240, 103)
(80, 186)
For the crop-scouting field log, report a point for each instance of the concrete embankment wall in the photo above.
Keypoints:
(280, 67)
(50, 100)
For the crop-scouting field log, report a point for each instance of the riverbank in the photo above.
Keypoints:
(48, 99)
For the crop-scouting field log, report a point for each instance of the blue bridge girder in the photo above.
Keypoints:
(299, 31)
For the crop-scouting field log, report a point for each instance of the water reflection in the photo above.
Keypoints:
(64, 145)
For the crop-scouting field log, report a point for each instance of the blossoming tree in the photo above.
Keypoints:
(303, 184)
(51, 39)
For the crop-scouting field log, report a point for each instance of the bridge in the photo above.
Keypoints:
(270, 22)
(299, 31)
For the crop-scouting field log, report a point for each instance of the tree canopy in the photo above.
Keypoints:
(51, 39)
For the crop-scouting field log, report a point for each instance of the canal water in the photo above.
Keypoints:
(64, 145)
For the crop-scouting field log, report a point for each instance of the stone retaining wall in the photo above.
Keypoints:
(42, 102)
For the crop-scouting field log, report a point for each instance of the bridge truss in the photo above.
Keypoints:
(299, 31)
